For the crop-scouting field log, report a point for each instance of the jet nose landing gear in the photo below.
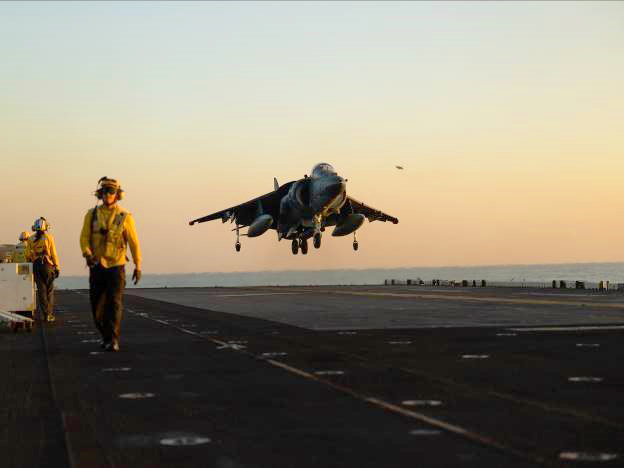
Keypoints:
(237, 246)
(317, 240)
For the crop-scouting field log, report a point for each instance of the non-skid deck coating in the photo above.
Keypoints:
(324, 376)
(362, 308)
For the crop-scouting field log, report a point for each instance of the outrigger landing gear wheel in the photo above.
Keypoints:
(317, 240)
(237, 246)
(303, 244)
(355, 245)
(295, 247)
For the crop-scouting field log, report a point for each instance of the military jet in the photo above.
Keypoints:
(301, 210)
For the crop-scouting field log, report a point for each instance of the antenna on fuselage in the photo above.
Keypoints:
(275, 183)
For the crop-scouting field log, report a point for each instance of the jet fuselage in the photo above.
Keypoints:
(310, 201)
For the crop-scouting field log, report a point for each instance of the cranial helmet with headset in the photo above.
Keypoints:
(105, 184)
(40, 225)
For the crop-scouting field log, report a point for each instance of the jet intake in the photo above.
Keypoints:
(350, 224)
(260, 225)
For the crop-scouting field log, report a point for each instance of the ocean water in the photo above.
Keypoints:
(514, 274)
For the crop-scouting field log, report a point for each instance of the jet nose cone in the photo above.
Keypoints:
(337, 186)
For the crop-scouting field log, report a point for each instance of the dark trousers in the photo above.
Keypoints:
(106, 287)
(44, 279)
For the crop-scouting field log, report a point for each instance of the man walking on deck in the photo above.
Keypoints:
(41, 251)
(106, 232)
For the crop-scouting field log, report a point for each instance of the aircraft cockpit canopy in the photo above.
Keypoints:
(322, 169)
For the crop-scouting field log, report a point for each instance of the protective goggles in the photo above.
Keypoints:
(109, 190)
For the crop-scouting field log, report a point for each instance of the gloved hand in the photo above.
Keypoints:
(136, 276)
(91, 260)
(57, 272)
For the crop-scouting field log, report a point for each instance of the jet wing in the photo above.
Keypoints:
(371, 213)
(245, 213)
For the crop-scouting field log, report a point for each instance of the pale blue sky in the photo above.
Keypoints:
(509, 101)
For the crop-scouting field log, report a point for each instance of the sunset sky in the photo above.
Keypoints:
(508, 118)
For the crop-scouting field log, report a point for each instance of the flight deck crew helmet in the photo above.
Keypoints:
(24, 236)
(40, 225)
(108, 185)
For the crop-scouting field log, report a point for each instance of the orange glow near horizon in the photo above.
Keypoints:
(506, 117)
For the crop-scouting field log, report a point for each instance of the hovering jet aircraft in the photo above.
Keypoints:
(301, 210)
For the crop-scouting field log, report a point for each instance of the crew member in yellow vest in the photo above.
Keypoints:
(41, 251)
(106, 232)
(19, 256)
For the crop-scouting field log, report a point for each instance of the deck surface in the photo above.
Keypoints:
(321, 377)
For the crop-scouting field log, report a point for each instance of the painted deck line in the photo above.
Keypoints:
(259, 294)
(438, 423)
(499, 300)
(571, 328)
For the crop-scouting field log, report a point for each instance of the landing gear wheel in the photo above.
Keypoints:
(303, 244)
(237, 246)
(355, 245)
(295, 247)
(317, 240)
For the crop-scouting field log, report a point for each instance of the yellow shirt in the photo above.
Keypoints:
(107, 235)
(42, 247)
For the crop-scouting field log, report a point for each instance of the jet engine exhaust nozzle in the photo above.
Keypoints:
(260, 225)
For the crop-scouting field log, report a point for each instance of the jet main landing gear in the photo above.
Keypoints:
(303, 244)
(295, 247)
(237, 246)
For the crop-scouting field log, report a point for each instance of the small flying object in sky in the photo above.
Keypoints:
(301, 210)
(399, 167)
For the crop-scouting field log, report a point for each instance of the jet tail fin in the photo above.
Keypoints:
(275, 183)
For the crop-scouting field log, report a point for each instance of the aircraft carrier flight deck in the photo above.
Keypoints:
(324, 376)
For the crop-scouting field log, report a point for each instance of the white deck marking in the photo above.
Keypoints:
(422, 403)
(274, 354)
(184, 441)
(588, 457)
(258, 294)
(585, 379)
(137, 396)
(571, 328)
(329, 372)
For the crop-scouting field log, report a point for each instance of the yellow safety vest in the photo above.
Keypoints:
(106, 234)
